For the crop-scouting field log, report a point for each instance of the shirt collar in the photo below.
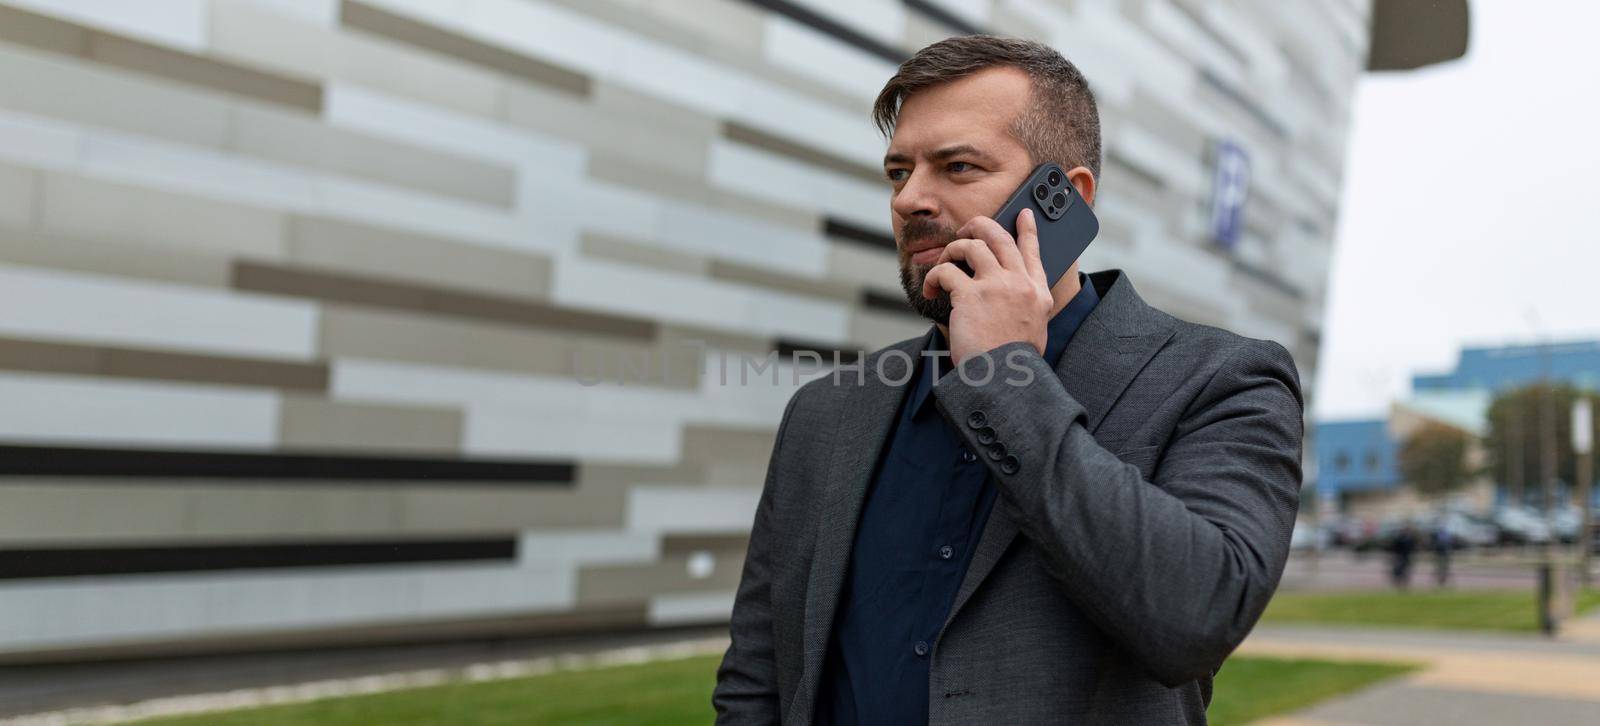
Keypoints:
(1057, 334)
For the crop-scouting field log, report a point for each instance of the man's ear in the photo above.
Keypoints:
(1083, 180)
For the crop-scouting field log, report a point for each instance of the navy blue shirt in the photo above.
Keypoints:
(919, 524)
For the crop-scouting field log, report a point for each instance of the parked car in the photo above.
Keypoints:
(1353, 532)
(1520, 525)
(1305, 536)
(1465, 531)
(1564, 522)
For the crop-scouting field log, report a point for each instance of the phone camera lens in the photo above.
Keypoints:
(1055, 178)
(1059, 200)
(1041, 192)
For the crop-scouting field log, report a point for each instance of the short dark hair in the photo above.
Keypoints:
(1062, 122)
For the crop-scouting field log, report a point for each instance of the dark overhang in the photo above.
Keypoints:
(1409, 34)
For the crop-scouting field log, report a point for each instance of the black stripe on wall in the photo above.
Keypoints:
(854, 233)
(16, 564)
(943, 17)
(834, 28)
(137, 463)
(787, 349)
(874, 300)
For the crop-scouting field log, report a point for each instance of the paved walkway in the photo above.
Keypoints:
(1467, 678)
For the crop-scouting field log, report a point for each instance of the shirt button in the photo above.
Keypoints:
(921, 648)
(968, 456)
(946, 552)
(977, 420)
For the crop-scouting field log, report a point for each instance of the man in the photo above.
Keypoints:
(1080, 536)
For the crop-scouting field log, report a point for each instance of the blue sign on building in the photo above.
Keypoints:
(1229, 188)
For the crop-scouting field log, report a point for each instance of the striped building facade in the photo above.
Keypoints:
(294, 293)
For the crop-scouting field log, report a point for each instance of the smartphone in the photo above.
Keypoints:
(1066, 224)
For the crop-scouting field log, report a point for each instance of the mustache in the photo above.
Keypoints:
(921, 230)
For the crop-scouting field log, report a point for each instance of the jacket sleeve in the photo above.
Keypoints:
(747, 684)
(1175, 570)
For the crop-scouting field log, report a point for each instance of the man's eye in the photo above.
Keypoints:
(955, 164)
(891, 174)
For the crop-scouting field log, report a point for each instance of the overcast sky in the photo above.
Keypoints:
(1471, 206)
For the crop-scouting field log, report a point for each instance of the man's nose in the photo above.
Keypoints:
(915, 198)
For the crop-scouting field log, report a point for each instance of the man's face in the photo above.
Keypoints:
(952, 159)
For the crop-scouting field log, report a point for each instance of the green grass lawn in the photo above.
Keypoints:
(1248, 688)
(1506, 610)
(679, 692)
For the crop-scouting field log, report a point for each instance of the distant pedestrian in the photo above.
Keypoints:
(1443, 545)
(1404, 544)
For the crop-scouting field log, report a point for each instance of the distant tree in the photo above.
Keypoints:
(1515, 440)
(1434, 459)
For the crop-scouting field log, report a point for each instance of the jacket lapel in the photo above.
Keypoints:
(1114, 343)
(866, 417)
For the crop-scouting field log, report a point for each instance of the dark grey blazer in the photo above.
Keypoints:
(1153, 476)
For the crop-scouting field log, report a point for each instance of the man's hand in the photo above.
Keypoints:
(1005, 299)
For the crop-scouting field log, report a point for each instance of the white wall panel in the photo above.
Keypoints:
(574, 547)
(48, 304)
(508, 432)
(690, 607)
(355, 107)
(666, 509)
(17, 200)
(632, 290)
(757, 403)
(742, 239)
(741, 168)
(54, 409)
(34, 140)
(99, 610)
(571, 38)
(324, 13)
(810, 53)
(884, 20)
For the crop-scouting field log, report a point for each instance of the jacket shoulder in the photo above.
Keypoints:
(1225, 355)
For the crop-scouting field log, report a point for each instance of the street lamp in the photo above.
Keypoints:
(1583, 446)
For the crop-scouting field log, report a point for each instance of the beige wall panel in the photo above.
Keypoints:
(350, 331)
(112, 257)
(76, 206)
(357, 248)
(104, 96)
(309, 423)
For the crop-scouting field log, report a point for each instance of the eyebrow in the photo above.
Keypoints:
(942, 154)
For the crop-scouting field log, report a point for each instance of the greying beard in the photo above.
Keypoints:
(937, 309)
(915, 230)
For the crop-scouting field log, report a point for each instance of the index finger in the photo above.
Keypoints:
(1028, 244)
(1000, 241)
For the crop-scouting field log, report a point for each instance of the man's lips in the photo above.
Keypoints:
(927, 255)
